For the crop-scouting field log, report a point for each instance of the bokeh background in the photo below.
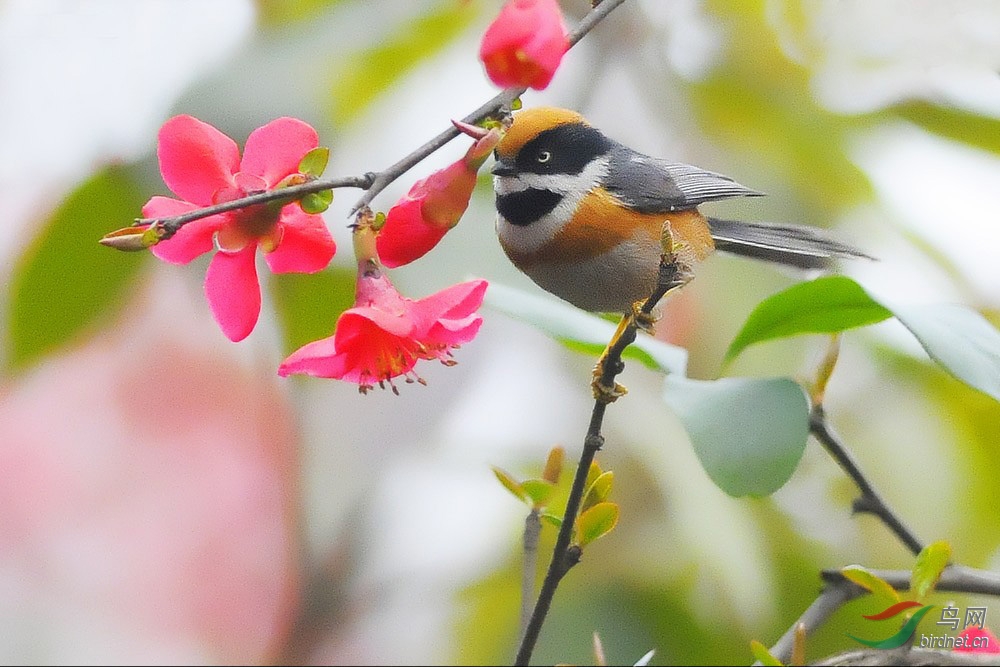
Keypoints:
(166, 498)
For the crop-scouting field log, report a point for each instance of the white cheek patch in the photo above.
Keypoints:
(574, 187)
(531, 238)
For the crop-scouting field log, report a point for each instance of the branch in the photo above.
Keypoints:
(565, 556)
(532, 531)
(839, 590)
(374, 183)
(172, 224)
(500, 101)
(870, 501)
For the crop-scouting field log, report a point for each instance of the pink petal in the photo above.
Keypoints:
(275, 150)
(306, 245)
(318, 359)
(455, 302)
(192, 240)
(406, 236)
(196, 159)
(454, 332)
(233, 292)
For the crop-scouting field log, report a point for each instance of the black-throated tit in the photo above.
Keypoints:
(583, 215)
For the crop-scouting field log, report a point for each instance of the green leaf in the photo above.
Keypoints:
(314, 162)
(931, 562)
(825, 305)
(592, 474)
(596, 522)
(762, 655)
(65, 282)
(749, 434)
(308, 305)
(510, 483)
(358, 80)
(598, 491)
(278, 12)
(553, 519)
(874, 584)
(970, 128)
(316, 202)
(579, 330)
(959, 339)
(538, 491)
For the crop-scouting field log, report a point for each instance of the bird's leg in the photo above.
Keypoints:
(674, 272)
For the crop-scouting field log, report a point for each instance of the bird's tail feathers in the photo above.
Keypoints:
(791, 245)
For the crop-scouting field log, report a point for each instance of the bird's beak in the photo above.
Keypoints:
(503, 168)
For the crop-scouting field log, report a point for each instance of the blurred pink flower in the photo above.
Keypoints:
(154, 521)
(432, 206)
(202, 165)
(978, 640)
(525, 44)
(385, 334)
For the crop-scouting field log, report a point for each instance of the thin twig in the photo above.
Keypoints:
(954, 579)
(172, 224)
(565, 556)
(839, 590)
(373, 182)
(870, 501)
(532, 530)
(500, 101)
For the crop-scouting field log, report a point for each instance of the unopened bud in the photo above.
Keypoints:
(132, 239)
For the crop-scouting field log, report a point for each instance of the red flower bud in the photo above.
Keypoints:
(525, 44)
(432, 206)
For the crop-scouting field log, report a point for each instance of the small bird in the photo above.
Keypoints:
(585, 216)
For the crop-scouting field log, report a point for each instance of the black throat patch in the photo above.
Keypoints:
(525, 207)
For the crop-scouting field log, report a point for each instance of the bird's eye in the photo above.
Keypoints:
(544, 156)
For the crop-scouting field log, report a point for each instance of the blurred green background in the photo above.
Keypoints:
(392, 542)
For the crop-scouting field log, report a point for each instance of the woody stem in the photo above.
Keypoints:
(565, 555)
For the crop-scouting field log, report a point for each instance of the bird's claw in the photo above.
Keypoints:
(603, 392)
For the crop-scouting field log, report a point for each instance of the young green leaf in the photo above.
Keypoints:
(510, 484)
(762, 655)
(598, 490)
(596, 522)
(316, 202)
(931, 562)
(538, 491)
(314, 162)
(878, 587)
(552, 519)
(757, 446)
(592, 474)
(825, 305)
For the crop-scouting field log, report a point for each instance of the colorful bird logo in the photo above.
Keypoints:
(904, 634)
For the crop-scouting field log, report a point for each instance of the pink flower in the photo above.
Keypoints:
(525, 44)
(977, 640)
(202, 165)
(385, 334)
(432, 206)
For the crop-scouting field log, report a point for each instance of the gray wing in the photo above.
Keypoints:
(652, 185)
